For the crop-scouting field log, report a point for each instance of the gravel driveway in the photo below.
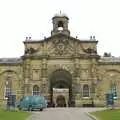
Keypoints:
(62, 114)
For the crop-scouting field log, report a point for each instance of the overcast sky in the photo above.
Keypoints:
(21, 18)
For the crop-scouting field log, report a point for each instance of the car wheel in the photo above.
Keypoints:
(41, 109)
(30, 109)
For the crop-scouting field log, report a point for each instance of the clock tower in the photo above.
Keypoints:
(60, 24)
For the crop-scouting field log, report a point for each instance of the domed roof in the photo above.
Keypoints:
(60, 15)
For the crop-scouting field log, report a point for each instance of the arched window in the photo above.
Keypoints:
(86, 90)
(8, 87)
(60, 25)
(36, 90)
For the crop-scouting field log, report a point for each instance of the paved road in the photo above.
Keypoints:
(62, 114)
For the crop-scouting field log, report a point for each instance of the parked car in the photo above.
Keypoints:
(32, 102)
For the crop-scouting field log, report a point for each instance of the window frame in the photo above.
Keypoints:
(7, 91)
(36, 91)
(83, 91)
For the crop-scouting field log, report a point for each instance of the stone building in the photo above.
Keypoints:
(66, 70)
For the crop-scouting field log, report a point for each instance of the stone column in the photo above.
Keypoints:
(45, 83)
(75, 82)
(93, 80)
(27, 89)
(27, 78)
(76, 90)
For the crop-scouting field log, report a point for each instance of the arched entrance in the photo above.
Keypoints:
(60, 101)
(61, 79)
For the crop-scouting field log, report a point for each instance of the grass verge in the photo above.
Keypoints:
(13, 115)
(107, 114)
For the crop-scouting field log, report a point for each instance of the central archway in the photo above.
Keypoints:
(61, 79)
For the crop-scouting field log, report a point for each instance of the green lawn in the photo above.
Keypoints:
(13, 115)
(107, 114)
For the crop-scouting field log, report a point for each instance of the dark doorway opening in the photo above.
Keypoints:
(61, 101)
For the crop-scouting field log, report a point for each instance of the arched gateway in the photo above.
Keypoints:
(61, 80)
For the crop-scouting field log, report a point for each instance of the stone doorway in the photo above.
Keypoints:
(60, 101)
(61, 79)
(60, 97)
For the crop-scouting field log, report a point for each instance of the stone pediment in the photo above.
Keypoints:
(60, 45)
(63, 45)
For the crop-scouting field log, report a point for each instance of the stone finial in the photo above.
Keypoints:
(26, 38)
(93, 37)
(90, 37)
(29, 38)
(44, 37)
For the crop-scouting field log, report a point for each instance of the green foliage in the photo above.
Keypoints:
(13, 115)
(111, 114)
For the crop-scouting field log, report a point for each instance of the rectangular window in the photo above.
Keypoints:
(86, 91)
(8, 91)
(36, 93)
(35, 90)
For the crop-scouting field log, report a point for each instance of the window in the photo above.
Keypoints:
(113, 89)
(8, 91)
(86, 91)
(36, 90)
(8, 88)
(60, 25)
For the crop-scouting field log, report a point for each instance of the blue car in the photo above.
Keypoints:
(32, 102)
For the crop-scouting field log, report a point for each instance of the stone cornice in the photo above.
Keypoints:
(60, 34)
(61, 57)
(108, 63)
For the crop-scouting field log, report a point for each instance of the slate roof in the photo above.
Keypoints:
(10, 60)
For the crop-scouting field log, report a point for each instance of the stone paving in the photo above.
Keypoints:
(62, 114)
